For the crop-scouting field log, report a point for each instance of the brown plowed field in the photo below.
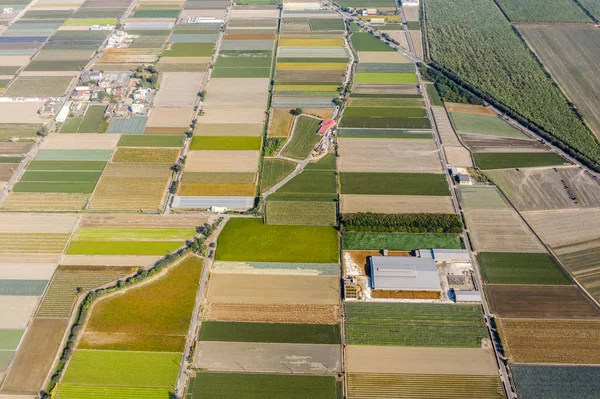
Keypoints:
(551, 341)
(270, 313)
(16, 311)
(179, 89)
(540, 302)
(351, 203)
(419, 360)
(34, 359)
(565, 227)
(488, 143)
(469, 109)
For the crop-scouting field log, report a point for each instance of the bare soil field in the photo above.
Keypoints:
(14, 60)
(539, 189)
(500, 230)
(384, 89)
(38, 86)
(399, 36)
(411, 13)
(20, 112)
(565, 227)
(15, 148)
(219, 100)
(268, 357)
(458, 156)
(37, 223)
(540, 302)
(228, 129)
(551, 341)
(374, 57)
(419, 360)
(129, 55)
(179, 89)
(469, 109)
(317, 290)
(447, 133)
(143, 221)
(351, 203)
(16, 311)
(108, 260)
(33, 361)
(223, 114)
(245, 13)
(27, 271)
(572, 55)
(271, 313)
(81, 141)
(417, 39)
(127, 169)
(222, 161)
(170, 117)
(29, 258)
(487, 143)
(309, 76)
(388, 155)
(50, 73)
(481, 197)
(45, 202)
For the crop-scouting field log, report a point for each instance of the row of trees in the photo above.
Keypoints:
(401, 223)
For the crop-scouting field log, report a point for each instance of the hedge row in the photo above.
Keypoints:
(401, 223)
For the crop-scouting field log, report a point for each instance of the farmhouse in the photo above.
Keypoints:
(403, 273)
(326, 124)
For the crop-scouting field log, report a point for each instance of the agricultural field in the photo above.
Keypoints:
(536, 11)
(399, 241)
(521, 268)
(414, 325)
(393, 183)
(512, 76)
(311, 213)
(506, 160)
(270, 332)
(395, 204)
(274, 170)
(554, 382)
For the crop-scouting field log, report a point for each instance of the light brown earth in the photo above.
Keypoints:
(417, 39)
(268, 357)
(34, 359)
(222, 161)
(388, 155)
(415, 360)
(271, 313)
(82, 141)
(143, 221)
(481, 197)
(131, 169)
(223, 114)
(228, 129)
(170, 117)
(45, 202)
(29, 258)
(20, 112)
(458, 156)
(317, 290)
(50, 73)
(558, 228)
(500, 230)
(179, 89)
(234, 86)
(37, 223)
(280, 122)
(384, 89)
(129, 193)
(108, 260)
(216, 189)
(133, 55)
(398, 36)
(16, 311)
(469, 109)
(165, 131)
(243, 13)
(382, 56)
(14, 60)
(16, 148)
(489, 143)
(411, 12)
(27, 271)
(351, 203)
(447, 133)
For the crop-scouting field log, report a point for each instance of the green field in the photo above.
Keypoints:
(385, 78)
(69, 391)
(151, 141)
(393, 183)
(386, 102)
(270, 332)
(156, 14)
(543, 11)
(592, 6)
(90, 247)
(322, 24)
(304, 138)
(9, 339)
(91, 120)
(245, 239)
(274, 170)
(67, 165)
(325, 163)
(484, 124)
(54, 187)
(113, 368)
(363, 41)
(241, 72)
(399, 241)
(189, 50)
(310, 185)
(521, 268)
(61, 177)
(505, 160)
(434, 95)
(225, 143)
(308, 213)
(71, 125)
(263, 386)
(385, 122)
(487, 53)
(403, 324)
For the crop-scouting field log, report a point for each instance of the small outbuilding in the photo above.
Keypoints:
(405, 274)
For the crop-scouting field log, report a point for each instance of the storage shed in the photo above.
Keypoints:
(403, 273)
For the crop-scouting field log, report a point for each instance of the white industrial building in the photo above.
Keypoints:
(403, 273)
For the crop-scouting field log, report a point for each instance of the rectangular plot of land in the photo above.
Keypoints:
(393, 183)
(274, 289)
(17, 310)
(268, 357)
(540, 302)
(500, 230)
(73, 155)
(38, 86)
(278, 313)
(521, 268)
(315, 269)
(129, 193)
(33, 271)
(403, 360)
(388, 155)
(374, 57)
(222, 161)
(551, 382)
(481, 197)
(170, 117)
(37, 223)
(352, 203)
(292, 333)
(20, 113)
(179, 89)
(133, 125)
(82, 141)
(561, 228)
(108, 260)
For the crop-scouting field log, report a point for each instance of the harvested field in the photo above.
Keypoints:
(33, 361)
(293, 290)
(21, 113)
(554, 382)
(170, 117)
(130, 55)
(375, 57)
(469, 109)
(402, 324)
(275, 358)
(406, 360)
(500, 230)
(389, 90)
(38, 86)
(220, 177)
(551, 341)
(24, 243)
(352, 203)
(548, 188)
(128, 193)
(228, 129)
(216, 189)
(179, 89)
(481, 197)
(108, 260)
(143, 221)
(27, 271)
(16, 311)
(37, 223)
(280, 122)
(83, 141)
(521, 268)
(273, 313)
(288, 333)
(540, 302)
(131, 169)
(73, 155)
(279, 268)
(222, 113)
(222, 161)
(486, 143)
(146, 155)
(388, 155)
(304, 138)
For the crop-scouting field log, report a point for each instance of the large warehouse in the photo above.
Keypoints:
(405, 274)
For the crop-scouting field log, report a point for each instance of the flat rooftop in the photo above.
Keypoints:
(404, 273)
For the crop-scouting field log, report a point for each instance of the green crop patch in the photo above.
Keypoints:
(385, 112)
(393, 183)
(304, 138)
(246, 239)
(399, 241)
(71, 125)
(521, 268)
(69, 391)
(270, 332)
(484, 124)
(42, 66)
(385, 122)
(307, 213)
(327, 163)
(543, 11)
(555, 382)
(385, 78)
(67, 165)
(368, 222)
(91, 120)
(506, 160)
(189, 50)
(274, 170)
(363, 41)
(403, 324)
(151, 141)
(386, 102)
(326, 24)
(9, 339)
(54, 187)
(241, 72)
(225, 143)
(10, 160)
(263, 386)
(89, 247)
(156, 14)
(134, 369)
(61, 177)
(385, 67)
(310, 185)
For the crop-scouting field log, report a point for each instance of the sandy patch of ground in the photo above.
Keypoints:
(411, 13)
(222, 161)
(469, 109)
(27, 271)
(143, 221)
(224, 114)
(16, 311)
(565, 227)
(14, 60)
(179, 89)
(351, 203)
(271, 313)
(458, 157)
(447, 133)
(21, 112)
(374, 57)
(83, 141)
(398, 36)
(244, 13)
(170, 117)
(37, 223)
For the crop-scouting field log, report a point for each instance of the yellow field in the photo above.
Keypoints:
(323, 66)
(311, 42)
(281, 122)
(217, 189)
